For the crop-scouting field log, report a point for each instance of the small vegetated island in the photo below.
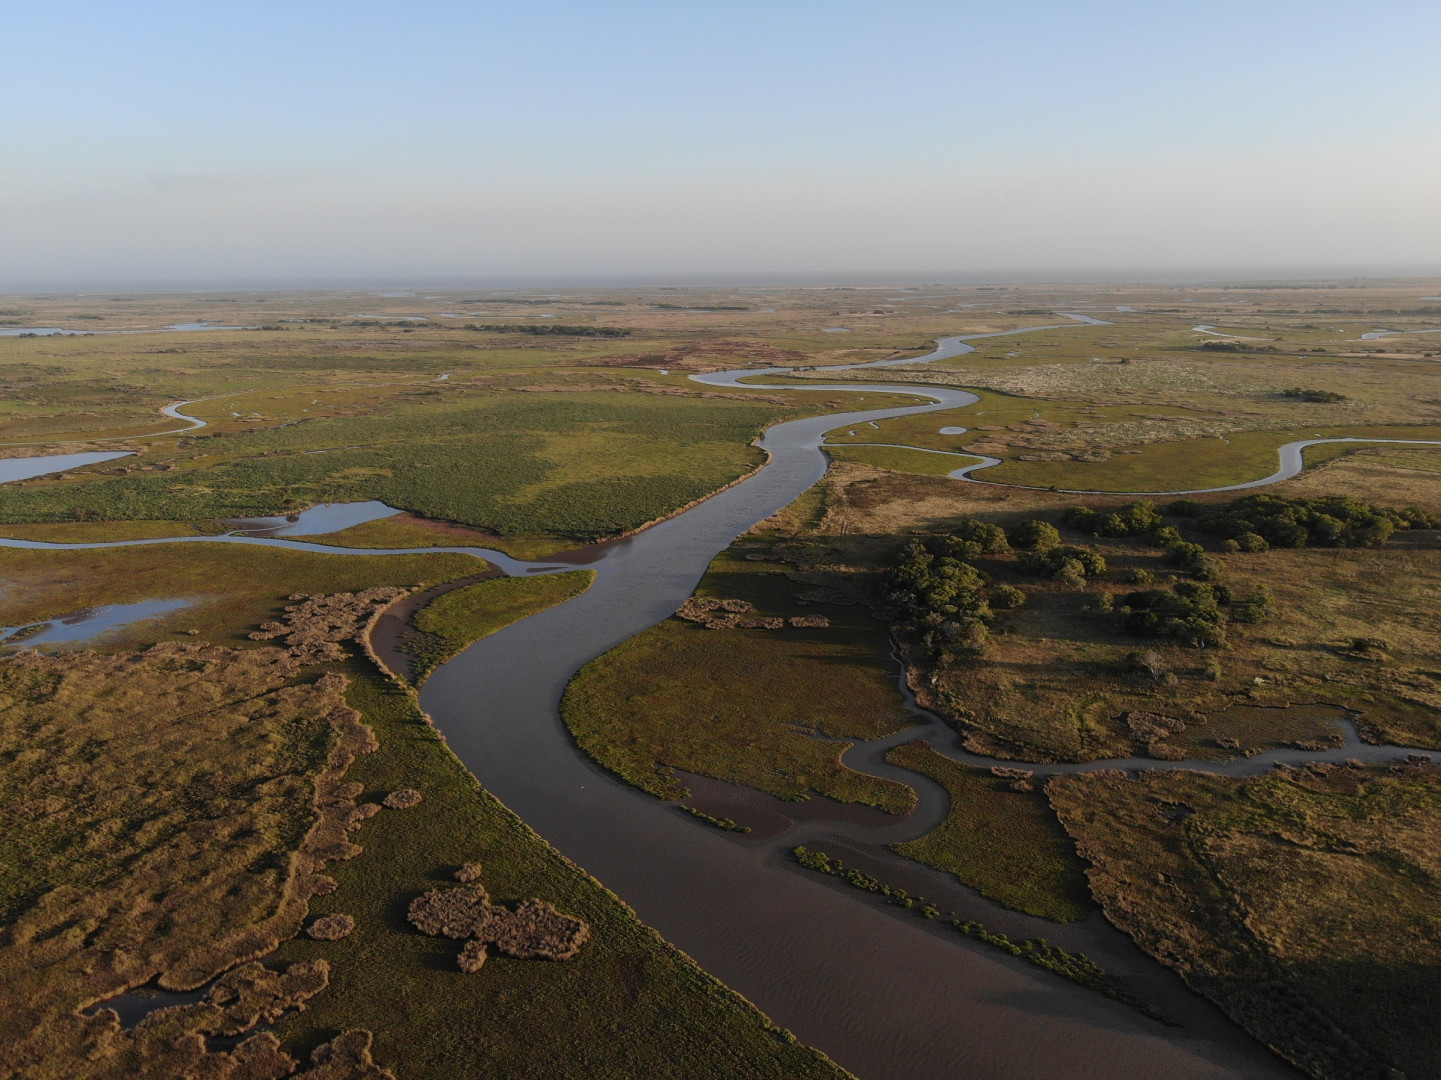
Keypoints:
(234, 846)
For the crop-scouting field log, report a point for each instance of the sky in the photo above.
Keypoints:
(206, 143)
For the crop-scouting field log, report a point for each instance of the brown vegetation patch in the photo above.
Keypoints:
(534, 930)
(173, 1042)
(403, 799)
(142, 790)
(1305, 902)
(331, 927)
(313, 628)
(452, 913)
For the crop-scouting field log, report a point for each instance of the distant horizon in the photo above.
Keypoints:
(1142, 278)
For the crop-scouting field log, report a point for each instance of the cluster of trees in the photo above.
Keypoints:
(947, 603)
(1260, 522)
(1193, 612)
(1299, 393)
(551, 330)
(1134, 519)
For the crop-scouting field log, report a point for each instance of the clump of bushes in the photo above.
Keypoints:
(1189, 611)
(1134, 519)
(728, 824)
(1297, 393)
(1192, 558)
(1035, 535)
(1069, 564)
(943, 597)
(1259, 522)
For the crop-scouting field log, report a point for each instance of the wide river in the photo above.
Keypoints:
(885, 994)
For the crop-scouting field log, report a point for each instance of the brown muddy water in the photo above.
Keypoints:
(883, 993)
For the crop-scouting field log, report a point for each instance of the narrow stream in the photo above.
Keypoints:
(884, 993)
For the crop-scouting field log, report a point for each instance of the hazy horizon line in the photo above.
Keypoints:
(1137, 276)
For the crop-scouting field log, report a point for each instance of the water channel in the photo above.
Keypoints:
(888, 995)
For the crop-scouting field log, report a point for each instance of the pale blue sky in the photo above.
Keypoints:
(202, 142)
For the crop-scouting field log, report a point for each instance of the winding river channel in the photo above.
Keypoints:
(886, 994)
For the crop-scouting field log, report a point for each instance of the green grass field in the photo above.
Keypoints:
(899, 459)
(456, 619)
(1194, 463)
(578, 466)
(1005, 844)
(771, 709)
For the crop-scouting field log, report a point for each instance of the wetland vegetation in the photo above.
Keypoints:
(1042, 627)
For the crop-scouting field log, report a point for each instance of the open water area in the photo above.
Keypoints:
(885, 993)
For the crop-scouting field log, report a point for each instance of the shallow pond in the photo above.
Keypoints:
(89, 624)
(23, 468)
(316, 521)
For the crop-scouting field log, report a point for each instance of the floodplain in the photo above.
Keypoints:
(1100, 703)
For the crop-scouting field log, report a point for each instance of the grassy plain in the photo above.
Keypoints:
(546, 439)
(573, 465)
(772, 709)
(458, 618)
(1059, 675)
(1003, 842)
(900, 459)
(163, 818)
(1120, 448)
(154, 802)
(1303, 902)
(233, 587)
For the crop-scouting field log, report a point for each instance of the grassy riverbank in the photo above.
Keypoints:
(628, 1006)
(999, 837)
(769, 708)
(456, 619)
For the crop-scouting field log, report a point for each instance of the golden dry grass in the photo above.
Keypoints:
(166, 815)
